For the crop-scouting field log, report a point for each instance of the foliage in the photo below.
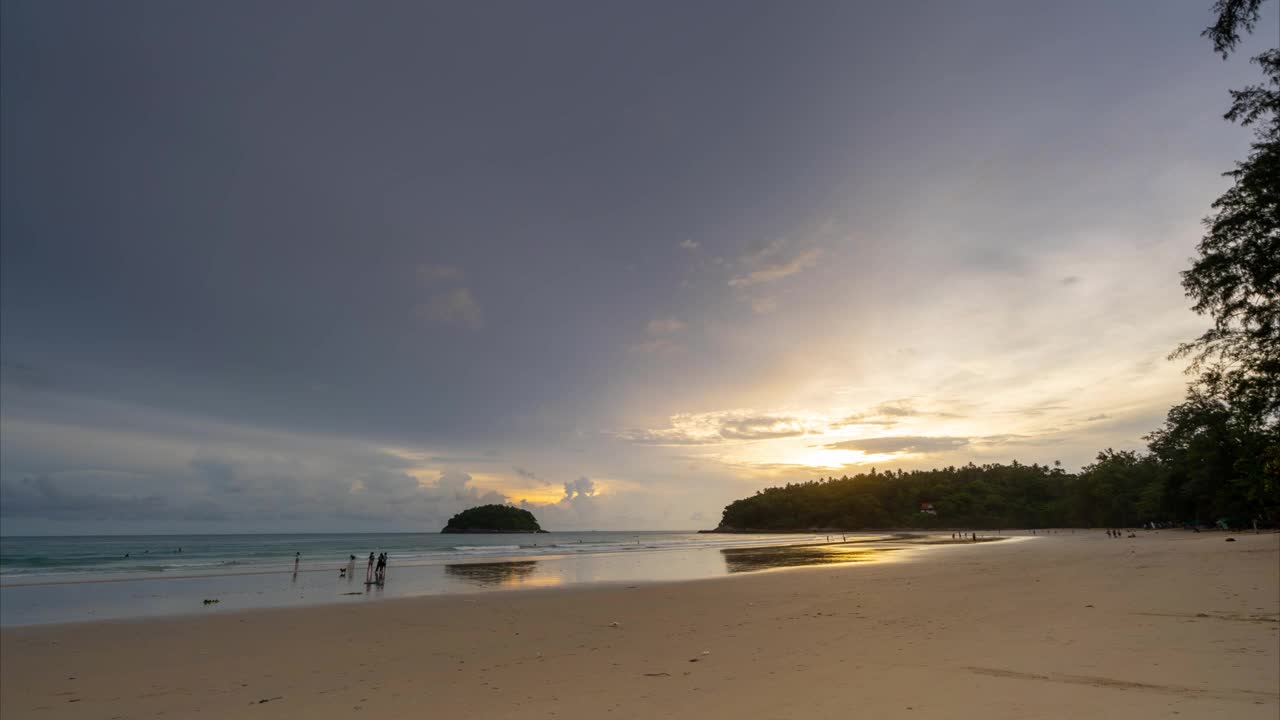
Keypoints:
(495, 518)
(1182, 483)
(1236, 277)
(1233, 15)
(987, 496)
(1218, 459)
(1226, 435)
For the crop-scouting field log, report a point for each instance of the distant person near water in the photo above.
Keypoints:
(380, 574)
(368, 571)
(297, 558)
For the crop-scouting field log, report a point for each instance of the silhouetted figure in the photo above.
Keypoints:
(380, 573)
(368, 571)
(297, 558)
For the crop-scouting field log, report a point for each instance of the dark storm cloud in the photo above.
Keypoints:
(42, 497)
(262, 227)
(249, 248)
(250, 223)
(221, 476)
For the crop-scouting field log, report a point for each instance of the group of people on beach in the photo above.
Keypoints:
(376, 571)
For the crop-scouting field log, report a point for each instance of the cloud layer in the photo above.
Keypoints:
(354, 294)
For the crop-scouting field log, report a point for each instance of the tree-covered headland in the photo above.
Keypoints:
(493, 519)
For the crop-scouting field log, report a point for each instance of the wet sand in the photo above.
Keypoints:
(1168, 624)
(77, 598)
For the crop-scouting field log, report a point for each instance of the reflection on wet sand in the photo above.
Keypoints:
(493, 573)
(738, 560)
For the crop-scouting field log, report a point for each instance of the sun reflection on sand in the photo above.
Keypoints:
(739, 560)
(519, 573)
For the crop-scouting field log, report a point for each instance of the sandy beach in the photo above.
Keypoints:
(1167, 624)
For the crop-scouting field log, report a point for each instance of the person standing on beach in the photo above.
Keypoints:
(297, 558)
(368, 571)
(380, 574)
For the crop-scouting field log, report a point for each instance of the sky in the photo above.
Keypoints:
(331, 266)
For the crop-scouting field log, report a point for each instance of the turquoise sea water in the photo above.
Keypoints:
(60, 579)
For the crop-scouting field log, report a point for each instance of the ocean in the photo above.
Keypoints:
(61, 579)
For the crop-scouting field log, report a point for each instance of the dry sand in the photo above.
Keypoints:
(1169, 624)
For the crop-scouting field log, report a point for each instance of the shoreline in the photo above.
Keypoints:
(1067, 626)
(405, 557)
(284, 568)
(197, 613)
(279, 613)
(97, 598)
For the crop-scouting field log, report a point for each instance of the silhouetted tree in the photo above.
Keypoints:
(496, 518)
(1236, 277)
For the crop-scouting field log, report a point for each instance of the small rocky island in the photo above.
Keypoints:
(493, 519)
